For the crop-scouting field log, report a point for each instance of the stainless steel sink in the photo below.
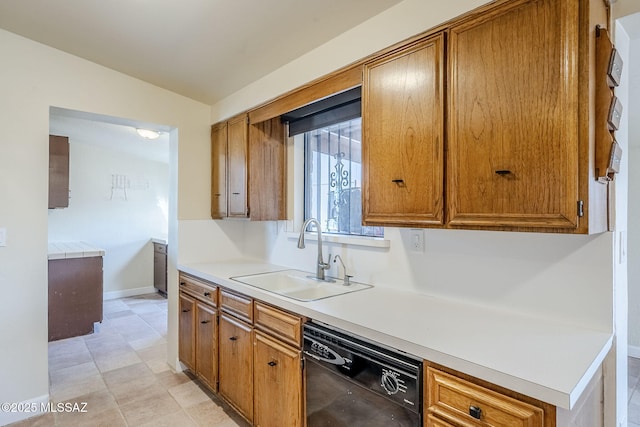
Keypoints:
(299, 285)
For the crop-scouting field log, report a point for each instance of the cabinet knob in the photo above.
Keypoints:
(182, 283)
(503, 172)
(206, 294)
(186, 310)
(204, 322)
(475, 412)
(233, 338)
(272, 363)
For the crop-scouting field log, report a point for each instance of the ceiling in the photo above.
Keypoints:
(110, 133)
(203, 49)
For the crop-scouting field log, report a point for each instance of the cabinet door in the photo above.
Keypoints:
(160, 271)
(207, 344)
(219, 170)
(187, 332)
(513, 117)
(277, 383)
(267, 159)
(58, 172)
(237, 141)
(235, 371)
(403, 127)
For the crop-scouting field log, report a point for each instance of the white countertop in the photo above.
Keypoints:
(544, 359)
(61, 250)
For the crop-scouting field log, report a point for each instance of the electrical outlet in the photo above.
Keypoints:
(3, 236)
(417, 240)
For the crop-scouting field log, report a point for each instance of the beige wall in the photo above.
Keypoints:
(34, 77)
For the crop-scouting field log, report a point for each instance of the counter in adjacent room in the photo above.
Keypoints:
(75, 288)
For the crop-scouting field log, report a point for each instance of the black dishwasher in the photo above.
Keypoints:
(352, 382)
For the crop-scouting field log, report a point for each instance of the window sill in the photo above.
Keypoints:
(372, 242)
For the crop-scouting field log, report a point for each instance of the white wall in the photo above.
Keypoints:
(34, 77)
(122, 227)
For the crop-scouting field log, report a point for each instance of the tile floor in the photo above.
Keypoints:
(121, 373)
(634, 393)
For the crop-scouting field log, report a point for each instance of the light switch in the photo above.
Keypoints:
(3, 236)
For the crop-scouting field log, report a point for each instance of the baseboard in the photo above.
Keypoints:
(23, 410)
(129, 293)
(633, 351)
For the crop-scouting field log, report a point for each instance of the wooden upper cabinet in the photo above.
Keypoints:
(219, 170)
(248, 169)
(513, 117)
(58, 172)
(237, 161)
(267, 170)
(403, 129)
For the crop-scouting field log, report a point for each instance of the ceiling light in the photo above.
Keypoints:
(148, 134)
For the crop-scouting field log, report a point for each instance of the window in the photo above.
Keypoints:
(332, 129)
(332, 179)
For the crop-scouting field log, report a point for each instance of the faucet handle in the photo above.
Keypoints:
(326, 265)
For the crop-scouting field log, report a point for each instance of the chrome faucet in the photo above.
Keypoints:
(344, 269)
(321, 265)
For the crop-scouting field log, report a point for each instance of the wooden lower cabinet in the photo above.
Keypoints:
(206, 344)
(235, 368)
(247, 351)
(277, 383)
(431, 421)
(453, 401)
(187, 331)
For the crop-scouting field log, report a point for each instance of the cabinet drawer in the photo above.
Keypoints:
(238, 305)
(458, 401)
(282, 325)
(204, 291)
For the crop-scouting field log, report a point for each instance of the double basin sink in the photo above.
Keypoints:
(299, 285)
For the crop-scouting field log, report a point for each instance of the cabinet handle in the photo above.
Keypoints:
(235, 194)
(204, 322)
(475, 412)
(503, 172)
(206, 294)
(397, 181)
(233, 338)
(182, 283)
(272, 363)
(186, 310)
(217, 194)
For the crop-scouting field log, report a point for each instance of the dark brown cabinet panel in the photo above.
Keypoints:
(75, 296)
(58, 172)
